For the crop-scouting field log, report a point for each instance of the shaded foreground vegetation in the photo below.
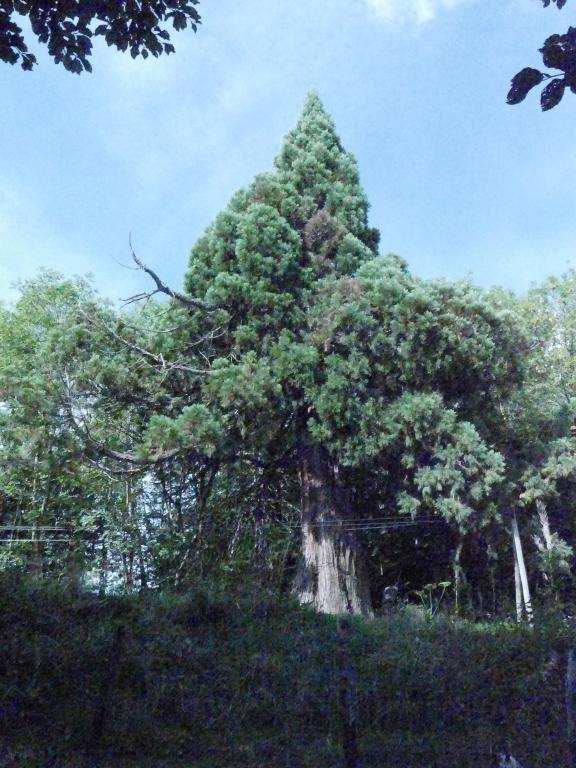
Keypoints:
(220, 678)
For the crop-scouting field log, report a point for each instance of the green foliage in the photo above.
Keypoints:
(42, 474)
(545, 407)
(170, 439)
(539, 416)
(431, 596)
(59, 363)
(554, 556)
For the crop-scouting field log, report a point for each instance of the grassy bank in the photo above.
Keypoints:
(209, 680)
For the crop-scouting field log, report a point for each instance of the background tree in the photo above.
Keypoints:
(44, 476)
(67, 28)
(545, 412)
(60, 339)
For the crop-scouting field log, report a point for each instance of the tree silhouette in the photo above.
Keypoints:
(558, 52)
(68, 26)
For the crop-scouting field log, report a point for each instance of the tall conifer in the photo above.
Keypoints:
(261, 262)
(336, 367)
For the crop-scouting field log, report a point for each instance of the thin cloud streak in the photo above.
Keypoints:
(411, 11)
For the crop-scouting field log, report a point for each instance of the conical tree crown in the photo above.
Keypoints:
(288, 229)
(313, 161)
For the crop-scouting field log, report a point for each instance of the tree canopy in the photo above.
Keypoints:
(68, 28)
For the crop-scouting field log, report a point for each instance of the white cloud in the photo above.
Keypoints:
(415, 11)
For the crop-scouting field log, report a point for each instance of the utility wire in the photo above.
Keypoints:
(368, 523)
(390, 519)
(35, 541)
(33, 528)
(360, 524)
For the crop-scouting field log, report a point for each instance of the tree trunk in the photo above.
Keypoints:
(458, 571)
(103, 574)
(518, 591)
(521, 568)
(136, 533)
(332, 577)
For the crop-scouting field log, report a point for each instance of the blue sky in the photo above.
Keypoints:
(460, 184)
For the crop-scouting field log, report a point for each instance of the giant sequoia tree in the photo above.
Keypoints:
(322, 361)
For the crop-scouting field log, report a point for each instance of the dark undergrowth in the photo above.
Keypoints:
(213, 679)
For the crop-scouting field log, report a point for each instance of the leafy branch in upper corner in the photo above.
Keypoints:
(68, 26)
(558, 52)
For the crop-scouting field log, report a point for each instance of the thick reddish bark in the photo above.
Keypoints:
(332, 576)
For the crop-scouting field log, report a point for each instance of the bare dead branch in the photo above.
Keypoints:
(161, 287)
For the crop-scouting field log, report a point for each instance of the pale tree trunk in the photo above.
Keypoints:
(459, 575)
(132, 509)
(518, 591)
(332, 577)
(519, 560)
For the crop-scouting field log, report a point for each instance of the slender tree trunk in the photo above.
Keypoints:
(142, 567)
(103, 575)
(128, 568)
(518, 591)
(521, 568)
(459, 575)
(332, 577)
(493, 589)
(136, 533)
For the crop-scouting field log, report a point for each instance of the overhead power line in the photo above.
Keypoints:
(33, 528)
(17, 530)
(34, 541)
(365, 524)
